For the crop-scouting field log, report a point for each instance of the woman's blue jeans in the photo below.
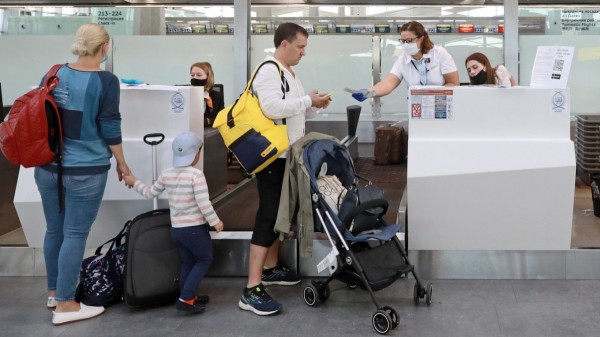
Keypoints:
(196, 252)
(67, 231)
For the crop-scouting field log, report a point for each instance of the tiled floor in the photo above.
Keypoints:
(478, 308)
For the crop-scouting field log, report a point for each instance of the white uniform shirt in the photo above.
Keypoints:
(295, 108)
(502, 76)
(440, 63)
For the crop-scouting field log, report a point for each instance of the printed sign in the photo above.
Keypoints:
(260, 28)
(199, 29)
(580, 20)
(382, 28)
(434, 104)
(342, 28)
(443, 28)
(321, 29)
(116, 20)
(551, 67)
(466, 28)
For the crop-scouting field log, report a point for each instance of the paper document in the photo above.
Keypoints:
(551, 67)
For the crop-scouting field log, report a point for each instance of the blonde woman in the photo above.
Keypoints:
(88, 100)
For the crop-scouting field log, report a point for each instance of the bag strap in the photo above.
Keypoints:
(230, 120)
(50, 82)
(117, 239)
(284, 84)
(51, 79)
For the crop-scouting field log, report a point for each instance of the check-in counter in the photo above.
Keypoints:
(490, 169)
(144, 109)
(215, 162)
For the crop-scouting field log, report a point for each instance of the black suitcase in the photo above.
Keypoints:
(151, 274)
(152, 261)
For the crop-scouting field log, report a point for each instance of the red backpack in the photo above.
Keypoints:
(32, 135)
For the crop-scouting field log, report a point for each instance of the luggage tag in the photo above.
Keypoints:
(329, 262)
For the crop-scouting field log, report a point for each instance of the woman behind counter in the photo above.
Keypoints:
(423, 63)
(480, 72)
(202, 75)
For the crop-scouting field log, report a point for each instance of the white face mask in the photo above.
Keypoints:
(410, 48)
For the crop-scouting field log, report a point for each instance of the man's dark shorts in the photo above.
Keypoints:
(269, 182)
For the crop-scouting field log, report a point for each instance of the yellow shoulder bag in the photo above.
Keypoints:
(254, 139)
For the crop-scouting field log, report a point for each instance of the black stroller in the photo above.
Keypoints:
(366, 252)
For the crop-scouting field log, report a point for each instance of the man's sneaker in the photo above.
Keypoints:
(258, 301)
(280, 275)
(195, 308)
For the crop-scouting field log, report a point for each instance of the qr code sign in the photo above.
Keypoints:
(558, 65)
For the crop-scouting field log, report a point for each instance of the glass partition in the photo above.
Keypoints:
(167, 59)
(328, 69)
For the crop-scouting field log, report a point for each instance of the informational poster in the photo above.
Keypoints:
(580, 20)
(116, 20)
(551, 67)
(435, 104)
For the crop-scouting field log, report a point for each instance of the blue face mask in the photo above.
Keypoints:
(104, 59)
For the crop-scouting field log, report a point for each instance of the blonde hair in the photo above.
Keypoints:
(88, 39)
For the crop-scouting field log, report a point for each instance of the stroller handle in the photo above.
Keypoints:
(375, 203)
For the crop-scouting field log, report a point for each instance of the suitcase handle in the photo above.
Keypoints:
(154, 135)
(159, 137)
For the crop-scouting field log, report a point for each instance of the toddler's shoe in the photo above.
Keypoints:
(195, 308)
(85, 312)
(201, 299)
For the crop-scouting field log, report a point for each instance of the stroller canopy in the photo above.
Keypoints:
(337, 158)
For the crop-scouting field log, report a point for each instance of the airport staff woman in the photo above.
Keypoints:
(202, 75)
(480, 71)
(423, 63)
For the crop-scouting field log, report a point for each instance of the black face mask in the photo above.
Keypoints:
(480, 78)
(196, 82)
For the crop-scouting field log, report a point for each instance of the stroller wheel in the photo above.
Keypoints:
(311, 295)
(322, 289)
(416, 296)
(393, 315)
(428, 294)
(382, 322)
(352, 286)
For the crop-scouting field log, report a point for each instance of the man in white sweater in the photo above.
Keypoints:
(283, 100)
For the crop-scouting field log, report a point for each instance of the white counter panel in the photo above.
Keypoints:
(143, 110)
(497, 173)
